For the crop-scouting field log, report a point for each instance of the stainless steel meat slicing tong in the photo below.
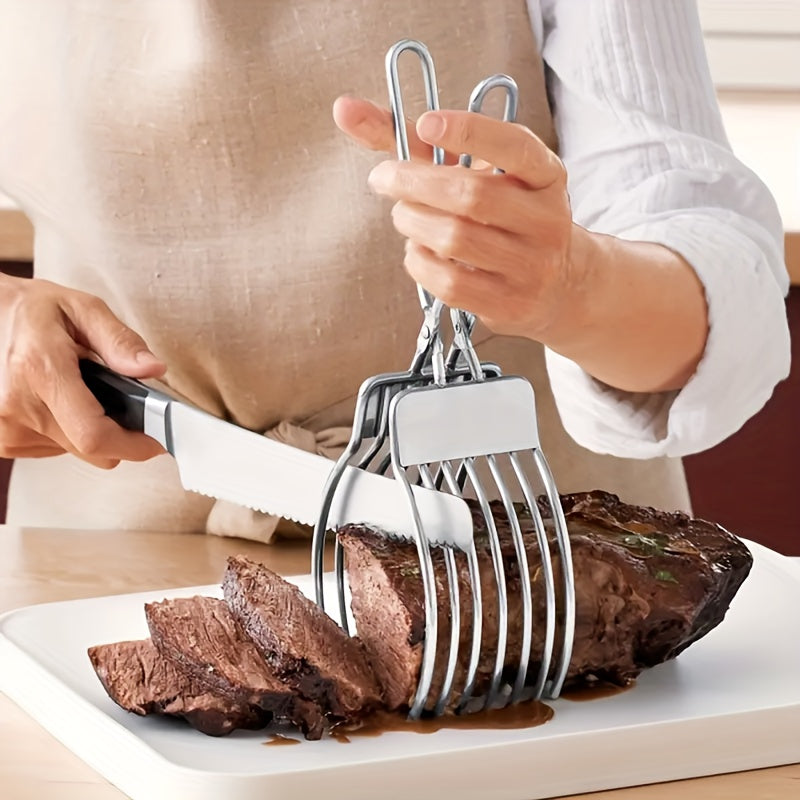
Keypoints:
(457, 425)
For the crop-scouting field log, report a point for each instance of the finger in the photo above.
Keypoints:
(22, 442)
(45, 451)
(456, 284)
(74, 419)
(497, 200)
(451, 237)
(96, 456)
(122, 349)
(43, 437)
(372, 127)
(511, 147)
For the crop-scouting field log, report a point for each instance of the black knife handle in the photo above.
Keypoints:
(122, 398)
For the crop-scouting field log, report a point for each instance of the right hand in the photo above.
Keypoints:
(45, 407)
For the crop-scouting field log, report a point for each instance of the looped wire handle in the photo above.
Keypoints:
(463, 322)
(429, 340)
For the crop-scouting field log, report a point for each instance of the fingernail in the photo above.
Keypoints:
(431, 126)
(379, 176)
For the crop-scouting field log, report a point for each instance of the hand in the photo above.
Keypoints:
(45, 408)
(631, 314)
(499, 246)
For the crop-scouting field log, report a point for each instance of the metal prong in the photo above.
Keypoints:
(500, 578)
(524, 577)
(367, 422)
(451, 570)
(455, 485)
(547, 571)
(338, 568)
(320, 529)
(553, 688)
(431, 609)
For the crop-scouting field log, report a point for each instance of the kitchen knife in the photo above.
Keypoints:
(222, 460)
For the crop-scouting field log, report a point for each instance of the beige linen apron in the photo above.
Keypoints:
(187, 170)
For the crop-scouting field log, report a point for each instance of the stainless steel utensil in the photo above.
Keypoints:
(223, 460)
(443, 426)
(368, 445)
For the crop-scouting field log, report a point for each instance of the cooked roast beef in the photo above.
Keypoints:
(302, 644)
(138, 679)
(648, 584)
(202, 639)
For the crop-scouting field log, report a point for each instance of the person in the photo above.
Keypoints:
(199, 222)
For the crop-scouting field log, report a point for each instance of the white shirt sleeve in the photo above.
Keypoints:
(648, 159)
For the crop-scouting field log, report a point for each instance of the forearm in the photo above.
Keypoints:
(635, 317)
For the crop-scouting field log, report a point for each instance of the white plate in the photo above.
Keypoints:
(731, 702)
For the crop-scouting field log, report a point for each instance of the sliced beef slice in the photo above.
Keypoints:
(302, 644)
(139, 680)
(200, 636)
(648, 584)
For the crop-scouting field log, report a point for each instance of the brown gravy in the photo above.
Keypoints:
(524, 715)
(280, 739)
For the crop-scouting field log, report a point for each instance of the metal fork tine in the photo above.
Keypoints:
(429, 589)
(477, 627)
(367, 422)
(455, 628)
(500, 578)
(456, 486)
(320, 530)
(547, 571)
(455, 610)
(553, 688)
(381, 431)
(338, 568)
(524, 576)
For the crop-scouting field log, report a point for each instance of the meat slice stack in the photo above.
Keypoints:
(648, 584)
(200, 637)
(308, 651)
(137, 678)
(201, 664)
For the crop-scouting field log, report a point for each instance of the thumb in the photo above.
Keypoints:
(121, 348)
(372, 127)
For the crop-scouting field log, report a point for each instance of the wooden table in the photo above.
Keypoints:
(47, 565)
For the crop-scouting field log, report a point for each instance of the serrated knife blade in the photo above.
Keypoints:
(222, 460)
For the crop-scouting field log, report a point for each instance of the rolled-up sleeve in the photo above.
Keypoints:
(648, 160)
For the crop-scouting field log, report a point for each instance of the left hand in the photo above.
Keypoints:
(498, 245)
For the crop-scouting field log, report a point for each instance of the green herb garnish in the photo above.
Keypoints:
(664, 575)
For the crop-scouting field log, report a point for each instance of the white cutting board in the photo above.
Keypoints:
(731, 702)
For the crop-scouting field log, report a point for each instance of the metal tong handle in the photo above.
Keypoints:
(463, 321)
(429, 347)
(429, 340)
